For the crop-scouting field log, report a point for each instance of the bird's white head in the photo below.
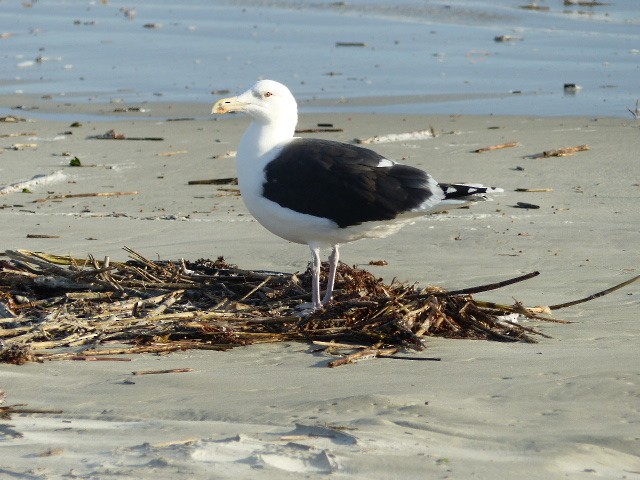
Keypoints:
(267, 102)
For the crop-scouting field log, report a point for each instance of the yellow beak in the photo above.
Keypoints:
(226, 105)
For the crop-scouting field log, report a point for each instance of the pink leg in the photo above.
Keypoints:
(315, 277)
(333, 266)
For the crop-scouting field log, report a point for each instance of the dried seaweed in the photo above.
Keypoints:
(83, 309)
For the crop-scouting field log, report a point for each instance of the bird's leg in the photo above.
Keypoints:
(333, 266)
(306, 309)
(315, 277)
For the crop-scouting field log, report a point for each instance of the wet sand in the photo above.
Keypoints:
(563, 408)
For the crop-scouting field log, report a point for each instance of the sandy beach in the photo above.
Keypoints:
(566, 407)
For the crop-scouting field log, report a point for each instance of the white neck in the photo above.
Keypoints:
(261, 137)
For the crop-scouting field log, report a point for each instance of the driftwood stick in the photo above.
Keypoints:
(366, 354)
(9, 409)
(82, 195)
(156, 372)
(497, 147)
(93, 358)
(565, 152)
(489, 286)
(256, 288)
(595, 295)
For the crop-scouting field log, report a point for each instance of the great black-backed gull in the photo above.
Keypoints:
(324, 193)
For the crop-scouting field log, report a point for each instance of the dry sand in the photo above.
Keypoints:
(567, 407)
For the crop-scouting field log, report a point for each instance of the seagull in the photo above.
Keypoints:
(325, 193)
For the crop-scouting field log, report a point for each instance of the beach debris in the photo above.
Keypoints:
(351, 44)
(565, 152)
(571, 88)
(160, 372)
(535, 6)
(497, 147)
(130, 109)
(525, 205)
(559, 152)
(6, 411)
(89, 358)
(584, 3)
(506, 38)
(23, 146)
(107, 308)
(36, 180)
(5, 312)
(534, 190)
(636, 112)
(173, 443)
(152, 25)
(215, 181)
(130, 13)
(398, 137)
(12, 119)
(379, 263)
(41, 235)
(225, 155)
(82, 195)
(366, 354)
(319, 130)
(113, 135)
(18, 134)
(172, 153)
(75, 162)
(15, 354)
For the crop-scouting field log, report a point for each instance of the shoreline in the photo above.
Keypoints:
(562, 407)
(70, 108)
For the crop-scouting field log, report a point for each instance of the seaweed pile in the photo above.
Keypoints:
(59, 307)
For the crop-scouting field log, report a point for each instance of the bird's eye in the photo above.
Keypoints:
(267, 94)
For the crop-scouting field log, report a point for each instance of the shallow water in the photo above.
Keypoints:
(442, 55)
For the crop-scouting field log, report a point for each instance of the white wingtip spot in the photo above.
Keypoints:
(385, 162)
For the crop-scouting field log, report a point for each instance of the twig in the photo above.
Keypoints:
(565, 152)
(172, 153)
(9, 409)
(255, 289)
(595, 295)
(157, 372)
(88, 358)
(20, 134)
(215, 181)
(318, 130)
(497, 147)
(82, 195)
(112, 135)
(534, 190)
(492, 286)
(367, 354)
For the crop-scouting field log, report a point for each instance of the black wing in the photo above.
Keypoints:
(344, 182)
